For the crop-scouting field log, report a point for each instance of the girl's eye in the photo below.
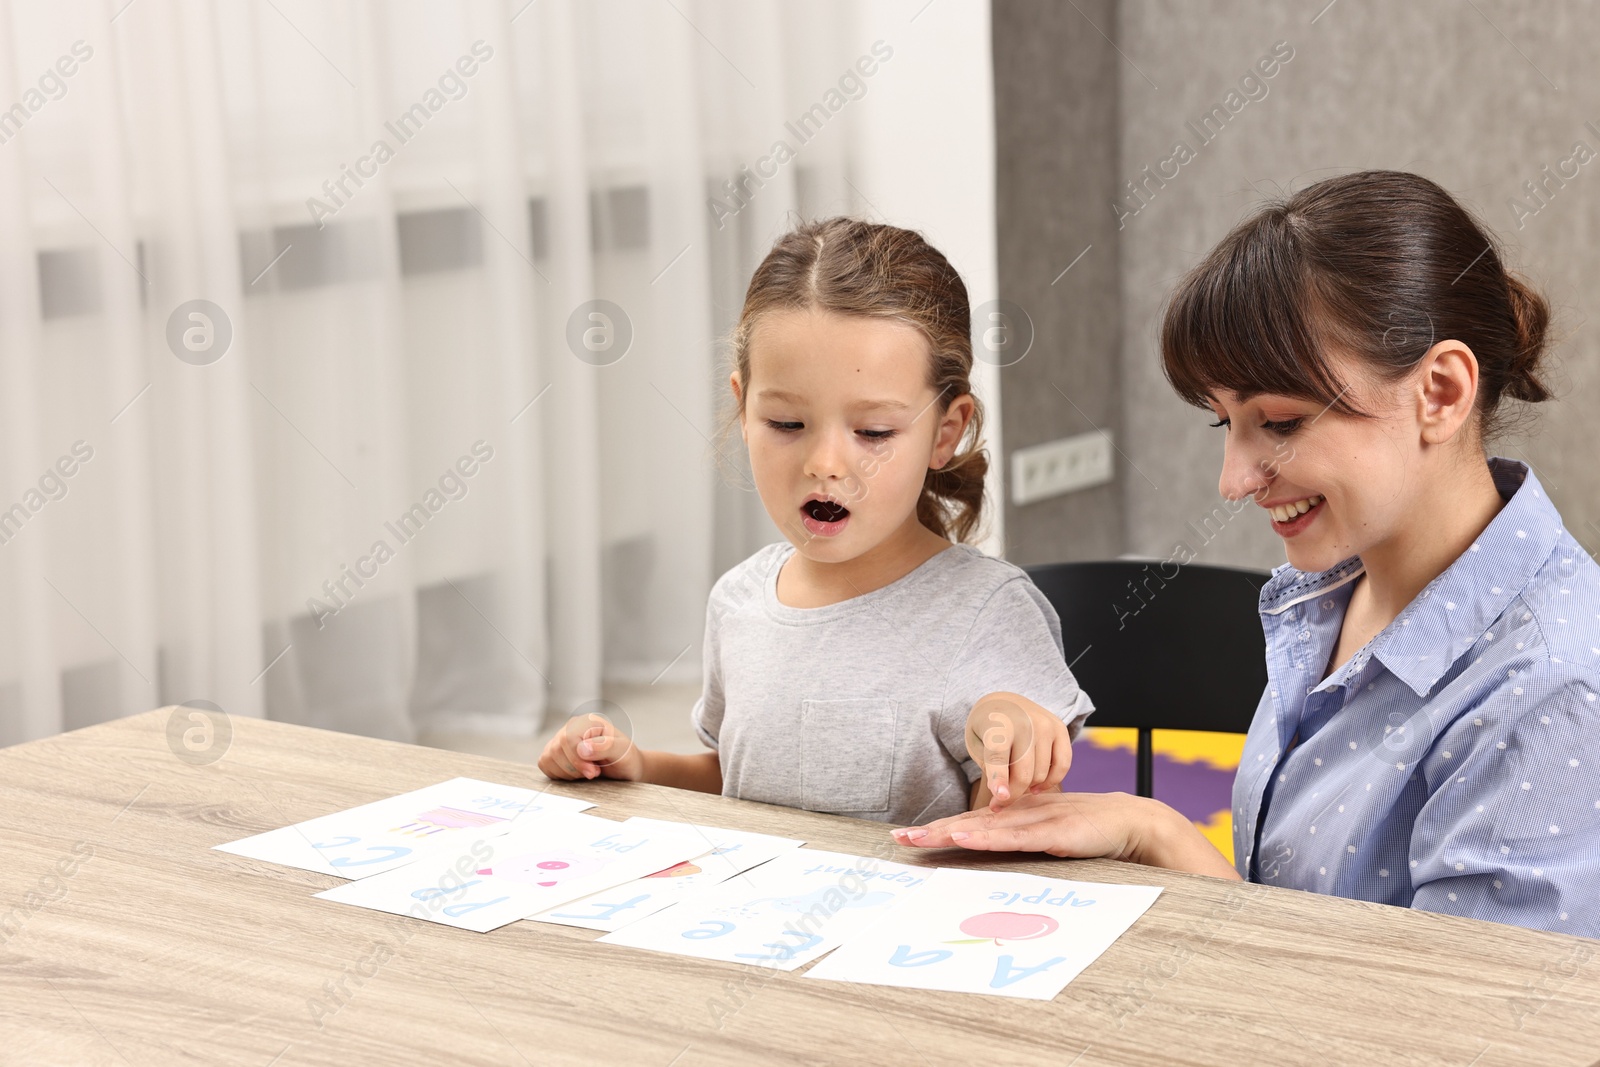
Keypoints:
(1221, 423)
(785, 427)
(1287, 426)
(877, 435)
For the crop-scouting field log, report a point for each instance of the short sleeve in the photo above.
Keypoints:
(708, 710)
(1512, 834)
(1014, 646)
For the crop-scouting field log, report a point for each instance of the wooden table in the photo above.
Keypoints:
(125, 939)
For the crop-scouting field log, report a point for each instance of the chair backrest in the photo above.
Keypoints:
(1162, 646)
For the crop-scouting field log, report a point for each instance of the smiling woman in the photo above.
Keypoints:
(1430, 729)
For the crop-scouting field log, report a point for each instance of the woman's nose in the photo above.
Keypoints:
(1242, 475)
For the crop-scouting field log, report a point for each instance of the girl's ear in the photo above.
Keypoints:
(738, 399)
(1447, 387)
(952, 427)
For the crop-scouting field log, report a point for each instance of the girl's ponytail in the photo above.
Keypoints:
(951, 504)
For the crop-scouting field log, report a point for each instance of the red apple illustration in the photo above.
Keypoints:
(1000, 926)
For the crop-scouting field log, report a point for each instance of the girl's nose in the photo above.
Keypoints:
(1242, 474)
(828, 458)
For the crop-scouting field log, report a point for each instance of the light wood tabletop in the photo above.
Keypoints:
(125, 939)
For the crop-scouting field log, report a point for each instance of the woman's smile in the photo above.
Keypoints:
(1291, 517)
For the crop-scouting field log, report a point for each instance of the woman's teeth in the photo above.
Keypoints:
(1285, 512)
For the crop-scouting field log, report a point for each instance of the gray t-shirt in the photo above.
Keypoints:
(860, 708)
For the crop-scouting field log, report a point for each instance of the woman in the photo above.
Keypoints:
(1430, 733)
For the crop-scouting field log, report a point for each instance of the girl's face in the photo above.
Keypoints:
(842, 427)
(1334, 485)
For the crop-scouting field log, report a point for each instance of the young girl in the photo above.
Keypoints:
(1430, 732)
(867, 665)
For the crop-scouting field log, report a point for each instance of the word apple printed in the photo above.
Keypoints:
(727, 853)
(1006, 935)
(378, 837)
(483, 882)
(781, 915)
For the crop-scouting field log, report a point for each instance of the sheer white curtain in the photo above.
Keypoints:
(308, 410)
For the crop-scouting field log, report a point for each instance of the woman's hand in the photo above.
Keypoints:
(1021, 747)
(1080, 826)
(589, 746)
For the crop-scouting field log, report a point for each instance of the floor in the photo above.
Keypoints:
(657, 714)
(1193, 771)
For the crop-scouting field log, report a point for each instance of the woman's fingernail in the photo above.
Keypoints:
(959, 835)
(585, 749)
(916, 834)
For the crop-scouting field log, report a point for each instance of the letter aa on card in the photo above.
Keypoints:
(378, 837)
(486, 882)
(781, 915)
(1007, 935)
(726, 853)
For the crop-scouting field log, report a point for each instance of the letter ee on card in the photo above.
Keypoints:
(486, 882)
(1007, 935)
(392, 832)
(725, 853)
(782, 914)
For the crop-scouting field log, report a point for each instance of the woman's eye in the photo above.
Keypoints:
(1221, 423)
(877, 435)
(1287, 426)
(785, 427)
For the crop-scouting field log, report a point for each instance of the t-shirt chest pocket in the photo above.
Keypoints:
(847, 754)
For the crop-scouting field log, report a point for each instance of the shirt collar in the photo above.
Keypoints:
(1449, 616)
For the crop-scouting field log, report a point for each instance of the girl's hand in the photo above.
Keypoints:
(589, 746)
(1080, 826)
(1022, 748)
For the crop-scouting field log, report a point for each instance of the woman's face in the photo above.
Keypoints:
(1333, 485)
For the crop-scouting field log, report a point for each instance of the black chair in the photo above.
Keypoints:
(1158, 646)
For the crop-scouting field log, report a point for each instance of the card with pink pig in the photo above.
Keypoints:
(484, 882)
(373, 838)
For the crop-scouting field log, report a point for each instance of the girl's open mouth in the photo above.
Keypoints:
(824, 518)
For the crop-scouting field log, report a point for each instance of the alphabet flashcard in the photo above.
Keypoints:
(378, 837)
(727, 853)
(1006, 935)
(482, 882)
(780, 915)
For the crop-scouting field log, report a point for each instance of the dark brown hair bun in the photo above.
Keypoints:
(1380, 264)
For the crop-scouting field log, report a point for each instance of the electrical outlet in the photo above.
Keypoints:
(1062, 466)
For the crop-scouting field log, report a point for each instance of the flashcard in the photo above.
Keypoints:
(1007, 935)
(483, 882)
(378, 837)
(781, 915)
(727, 853)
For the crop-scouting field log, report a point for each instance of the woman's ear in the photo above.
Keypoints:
(738, 399)
(1447, 390)
(952, 427)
